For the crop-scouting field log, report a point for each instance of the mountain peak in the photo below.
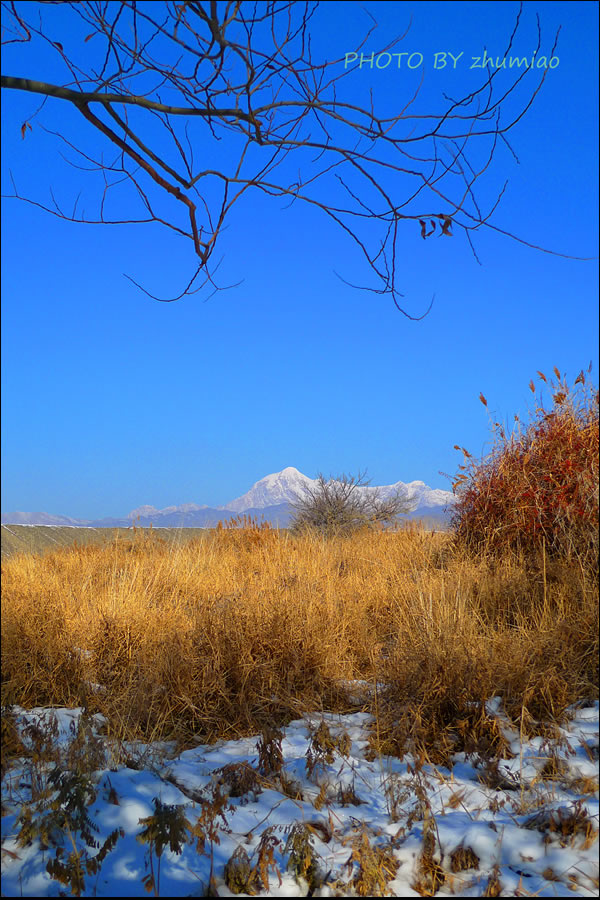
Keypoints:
(272, 490)
(145, 510)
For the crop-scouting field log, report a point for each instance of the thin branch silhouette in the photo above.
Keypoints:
(243, 105)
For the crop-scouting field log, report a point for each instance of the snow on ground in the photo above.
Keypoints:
(531, 835)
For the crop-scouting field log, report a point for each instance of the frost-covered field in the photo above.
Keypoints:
(314, 814)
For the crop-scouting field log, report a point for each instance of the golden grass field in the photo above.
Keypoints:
(242, 629)
(47, 538)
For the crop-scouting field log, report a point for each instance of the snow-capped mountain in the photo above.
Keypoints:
(280, 487)
(41, 518)
(285, 486)
(420, 494)
(144, 511)
(270, 498)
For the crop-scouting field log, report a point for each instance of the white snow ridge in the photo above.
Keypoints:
(285, 486)
(280, 487)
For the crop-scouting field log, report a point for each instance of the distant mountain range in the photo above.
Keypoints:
(269, 499)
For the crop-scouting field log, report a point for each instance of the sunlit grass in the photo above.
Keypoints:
(250, 627)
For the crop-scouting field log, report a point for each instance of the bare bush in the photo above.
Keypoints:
(346, 503)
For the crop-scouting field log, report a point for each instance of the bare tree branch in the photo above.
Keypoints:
(244, 74)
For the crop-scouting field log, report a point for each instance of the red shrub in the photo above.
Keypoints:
(538, 487)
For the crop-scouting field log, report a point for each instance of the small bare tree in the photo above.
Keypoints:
(344, 504)
(189, 108)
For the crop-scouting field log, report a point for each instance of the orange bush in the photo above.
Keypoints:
(538, 488)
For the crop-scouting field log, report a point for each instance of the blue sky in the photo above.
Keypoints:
(111, 400)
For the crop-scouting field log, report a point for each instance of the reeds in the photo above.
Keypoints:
(249, 627)
(537, 491)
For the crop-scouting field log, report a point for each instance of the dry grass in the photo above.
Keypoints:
(537, 491)
(248, 628)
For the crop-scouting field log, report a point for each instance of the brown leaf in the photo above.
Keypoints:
(482, 398)
(423, 228)
(85, 40)
(532, 387)
(557, 373)
(321, 830)
(446, 225)
(59, 45)
(543, 377)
